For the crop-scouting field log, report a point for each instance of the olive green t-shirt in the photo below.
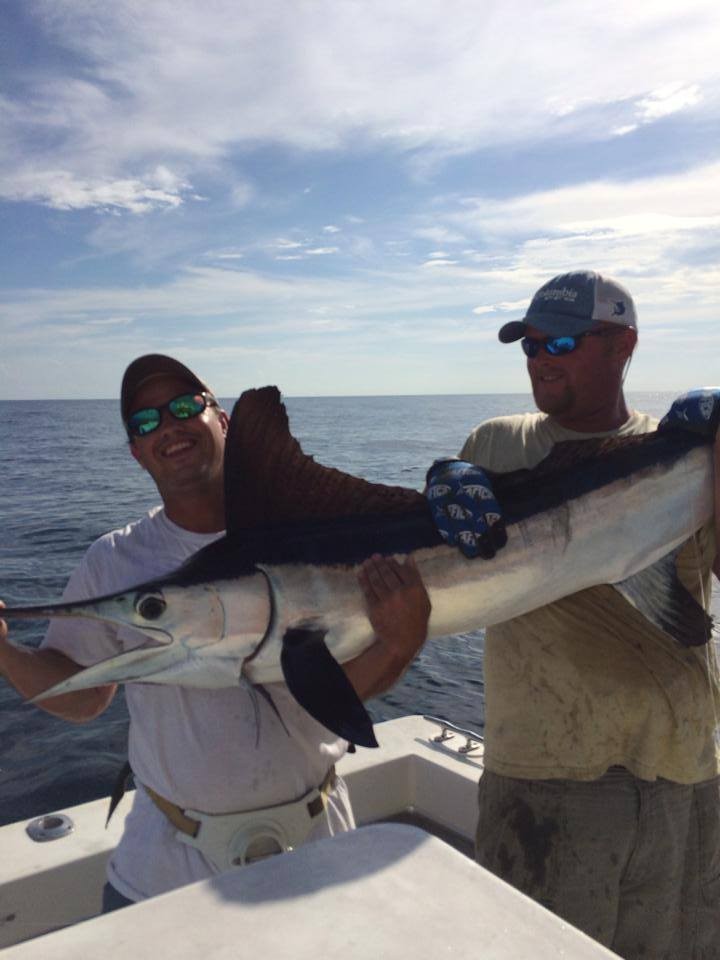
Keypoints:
(587, 683)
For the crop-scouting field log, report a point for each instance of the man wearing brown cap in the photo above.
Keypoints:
(600, 796)
(228, 754)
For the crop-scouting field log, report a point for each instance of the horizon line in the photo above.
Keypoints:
(327, 396)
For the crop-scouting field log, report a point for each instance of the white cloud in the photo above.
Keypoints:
(502, 307)
(623, 131)
(142, 108)
(282, 243)
(661, 205)
(185, 89)
(378, 310)
(670, 98)
(283, 248)
(62, 190)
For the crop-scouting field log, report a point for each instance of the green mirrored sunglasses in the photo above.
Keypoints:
(185, 407)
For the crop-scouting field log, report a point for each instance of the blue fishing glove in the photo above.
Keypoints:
(697, 411)
(464, 508)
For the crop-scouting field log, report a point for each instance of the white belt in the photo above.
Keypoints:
(235, 839)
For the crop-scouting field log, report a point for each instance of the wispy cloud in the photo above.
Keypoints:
(639, 227)
(668, 99)
(663, 102)
(186, 87)
(322, 188)
(63, 190)
(503, 307)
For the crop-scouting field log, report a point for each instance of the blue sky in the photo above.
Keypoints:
(350, 196)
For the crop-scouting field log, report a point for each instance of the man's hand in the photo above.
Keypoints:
(397, 603)
(398, 608)
(464, 508)
(697, 411)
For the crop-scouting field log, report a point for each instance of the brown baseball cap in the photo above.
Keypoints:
(147, 367)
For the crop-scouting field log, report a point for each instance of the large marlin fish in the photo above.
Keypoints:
(277, 597)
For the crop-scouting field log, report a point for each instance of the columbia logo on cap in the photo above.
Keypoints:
(564, 293)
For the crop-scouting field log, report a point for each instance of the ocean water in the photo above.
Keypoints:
(68, 477)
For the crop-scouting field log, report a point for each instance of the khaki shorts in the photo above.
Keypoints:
(633, 863)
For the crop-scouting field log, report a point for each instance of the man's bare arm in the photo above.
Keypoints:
(32, 671)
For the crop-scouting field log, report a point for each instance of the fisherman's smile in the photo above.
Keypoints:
(176, 449)
(549, 377)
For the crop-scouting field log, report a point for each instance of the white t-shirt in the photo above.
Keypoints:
(218, 751)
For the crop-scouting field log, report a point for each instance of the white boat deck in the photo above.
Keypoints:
(384, 891)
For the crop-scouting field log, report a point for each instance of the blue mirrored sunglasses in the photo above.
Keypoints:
(184, 407)
(559, 346)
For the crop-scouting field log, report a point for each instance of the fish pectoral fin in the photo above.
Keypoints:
(661, 598)
(320, 686)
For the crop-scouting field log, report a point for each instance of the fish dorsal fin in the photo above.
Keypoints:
(270, 482)
(576, 467)
(570, 453)
(625, 454)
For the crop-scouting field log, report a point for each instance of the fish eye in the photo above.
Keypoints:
(150, 606)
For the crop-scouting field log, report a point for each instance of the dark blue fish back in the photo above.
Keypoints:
(283, 507)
